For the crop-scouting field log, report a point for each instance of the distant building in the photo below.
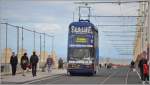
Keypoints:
(20, 54)
(54, 56)
(43, 57)
(6, 54)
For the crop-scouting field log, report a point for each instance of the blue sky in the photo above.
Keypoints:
(55, 17)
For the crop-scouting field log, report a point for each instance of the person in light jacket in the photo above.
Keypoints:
(49, 63)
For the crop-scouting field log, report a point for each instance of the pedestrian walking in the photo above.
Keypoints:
(132, 66)
(49, 63)
(24, 63)
(146, 72)
(13, 62)
(33, 61)
(100, 65)
(105, 65)
(144, 68)
(60, 63)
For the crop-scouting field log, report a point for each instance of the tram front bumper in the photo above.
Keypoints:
(81, 70)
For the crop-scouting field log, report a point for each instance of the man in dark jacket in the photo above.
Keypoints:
(13, 62)
(34, 60)
(60, 63)
(141, 66)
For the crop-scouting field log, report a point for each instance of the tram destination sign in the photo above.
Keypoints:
(81, 30)
(81, 39)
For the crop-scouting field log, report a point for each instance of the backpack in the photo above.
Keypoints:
(145, 69)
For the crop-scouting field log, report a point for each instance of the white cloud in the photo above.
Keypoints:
(28, 17)
(115, 9)
(48, 28)
(52, 17)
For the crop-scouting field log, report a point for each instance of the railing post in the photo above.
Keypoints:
(22, 43)
(34, 39)
(40, 48)
(17, 41)
(44, 45)
(6, 48)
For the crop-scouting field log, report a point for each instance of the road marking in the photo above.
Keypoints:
(138, 73)
(37, 80)
(126, 79)
(108, 77)
(58, 79)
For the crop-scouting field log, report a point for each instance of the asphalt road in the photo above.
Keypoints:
(120, 75)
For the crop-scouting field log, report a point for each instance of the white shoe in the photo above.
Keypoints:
(143, 82)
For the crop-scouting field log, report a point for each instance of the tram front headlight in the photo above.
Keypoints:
(78, 65)
(69, 65)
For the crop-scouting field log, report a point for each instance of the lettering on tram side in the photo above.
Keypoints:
(81, 29)
(81, 61)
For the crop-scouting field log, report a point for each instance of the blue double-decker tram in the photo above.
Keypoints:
(83, 51)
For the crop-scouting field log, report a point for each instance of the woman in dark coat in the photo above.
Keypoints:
(24, 62)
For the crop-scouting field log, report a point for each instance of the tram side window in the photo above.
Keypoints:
(95, 39)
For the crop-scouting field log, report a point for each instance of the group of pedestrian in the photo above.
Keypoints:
(31, 63)
(25, 63)
(50, 62)
(143, 66)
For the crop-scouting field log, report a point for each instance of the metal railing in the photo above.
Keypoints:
(19, 39)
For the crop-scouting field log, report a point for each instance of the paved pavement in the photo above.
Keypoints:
(120, 75)
(19, 79)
